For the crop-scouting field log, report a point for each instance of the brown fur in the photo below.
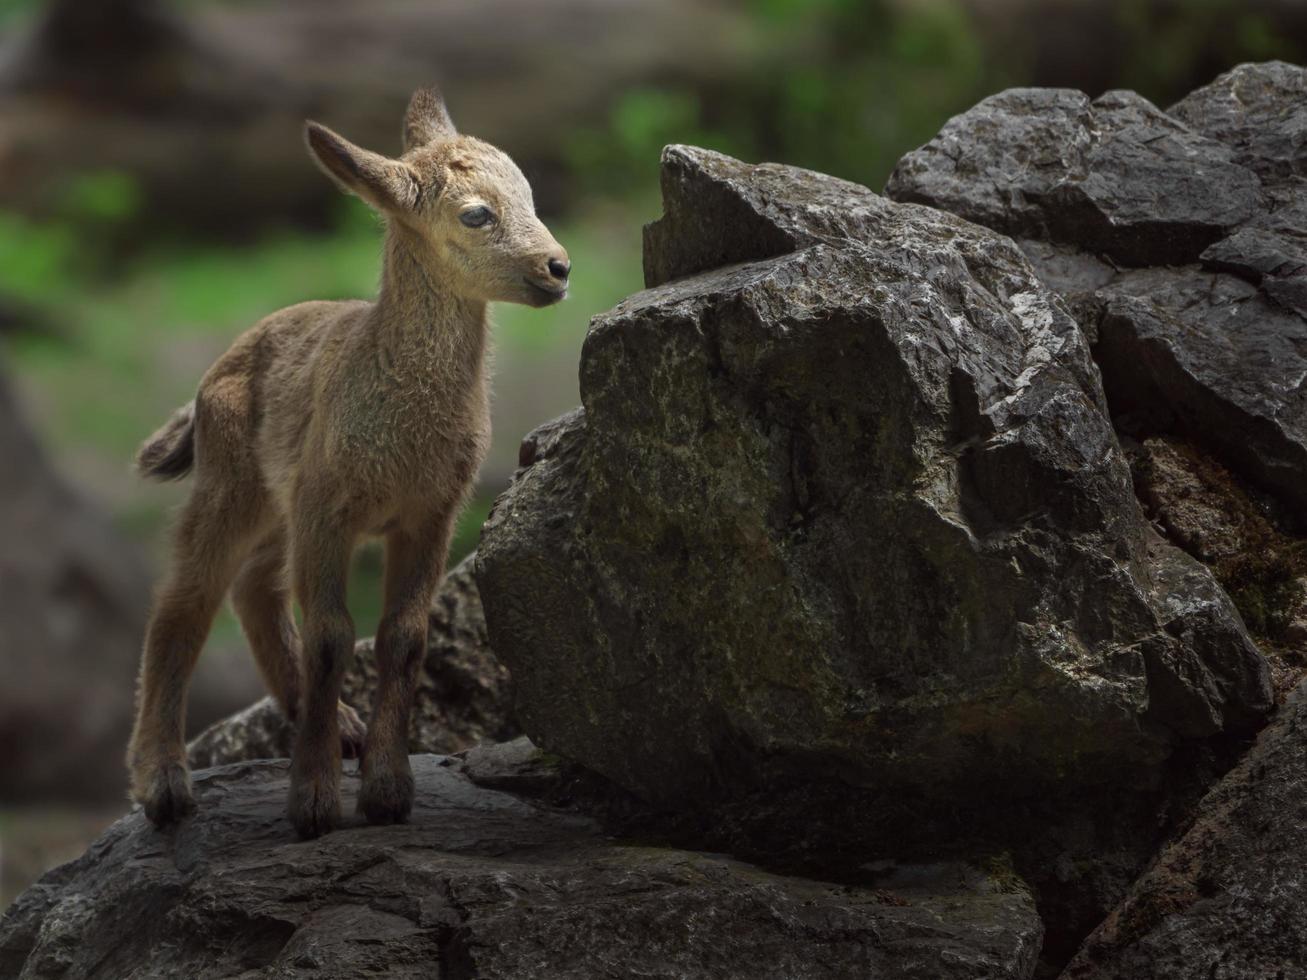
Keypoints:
(326, 422)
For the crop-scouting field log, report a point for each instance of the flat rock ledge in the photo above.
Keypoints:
(483, 883)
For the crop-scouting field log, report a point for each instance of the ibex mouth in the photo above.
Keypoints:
(544, 294)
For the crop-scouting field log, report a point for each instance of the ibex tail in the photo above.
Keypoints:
(169, 454)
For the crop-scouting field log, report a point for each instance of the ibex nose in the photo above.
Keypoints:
(560, 268)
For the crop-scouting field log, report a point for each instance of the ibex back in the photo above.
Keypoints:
(326, 422)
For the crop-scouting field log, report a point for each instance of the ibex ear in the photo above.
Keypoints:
(388, 185)
(427, 120)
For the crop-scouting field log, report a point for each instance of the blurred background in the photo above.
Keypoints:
(156, 200)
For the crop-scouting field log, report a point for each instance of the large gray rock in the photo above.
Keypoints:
(464, 695)
(852, 511)
(485, 884)
(1228, 900)
(1205, 335)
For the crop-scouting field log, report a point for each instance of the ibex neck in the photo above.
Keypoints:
(420, 323)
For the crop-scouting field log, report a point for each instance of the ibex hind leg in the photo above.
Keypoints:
(211, 540)
(261, 598)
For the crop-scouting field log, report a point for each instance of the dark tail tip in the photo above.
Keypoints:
(169, 454)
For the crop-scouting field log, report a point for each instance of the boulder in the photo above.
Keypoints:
(1227, 899)
(464, 694)
(1177, 239)
(851, 510)
(483, 883)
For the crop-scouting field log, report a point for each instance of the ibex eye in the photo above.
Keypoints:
(477, 217)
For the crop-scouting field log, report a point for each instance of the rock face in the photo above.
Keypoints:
(1178, 239)
(1229, 898)
(464, 694)
(852, 509)
(484, 884)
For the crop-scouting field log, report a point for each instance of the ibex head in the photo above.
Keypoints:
(466, 201)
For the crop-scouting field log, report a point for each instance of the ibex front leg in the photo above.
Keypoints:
(415, 561)
(321, 547)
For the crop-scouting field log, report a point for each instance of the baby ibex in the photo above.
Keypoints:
(328, 421)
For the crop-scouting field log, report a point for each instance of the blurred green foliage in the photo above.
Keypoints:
(848, 86)
(867, 81)
(1168, 45)
(35, 257)
(102, 196)
(14, 9)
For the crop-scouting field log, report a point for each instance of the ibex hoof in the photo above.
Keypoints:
(353, 733)
(314, 807)
(386, 796)
(167, 798)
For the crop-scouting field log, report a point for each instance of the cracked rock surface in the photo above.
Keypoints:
(1177, 238)
(484, 884)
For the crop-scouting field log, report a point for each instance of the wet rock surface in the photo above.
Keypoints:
(1260, 112)
(1209, 355)
(842, 553)
(1202, 344)
(485, 884)
(1227, 899)
(464, 694)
